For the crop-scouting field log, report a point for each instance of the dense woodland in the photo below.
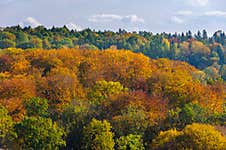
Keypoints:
(64, 89)
(203, 52)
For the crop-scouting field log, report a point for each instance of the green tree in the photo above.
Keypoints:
(188, 114)
(67, 42)
(88, 46)
(7, 44)
(220, 50)
(26, 45)
(36, 107)
(198, 36)
(39, 134)
(204, 35)
(6, 126)
(199, 54)
(46, 44)
(191, 113)
(73, 119)
(131, 142)
(7, 35)
(131, 121)
(21, 37)
(173, 119)
(98, 136)
(159, 47)
(36, 42)
(217, 118)
(223, 72)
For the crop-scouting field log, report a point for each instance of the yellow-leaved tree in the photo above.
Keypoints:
(195, 136)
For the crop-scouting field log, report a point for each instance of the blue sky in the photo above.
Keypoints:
(149, 15)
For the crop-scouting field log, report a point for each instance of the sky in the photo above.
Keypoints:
(133, 15)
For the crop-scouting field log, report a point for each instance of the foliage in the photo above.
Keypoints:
(132, 142)
(131, 121)
(192, 113)
(7, 44)
(74, 118)
(43, 90)
(104, 89)
(198, 136)
(36, 107)
(195, 136)
(98, 135)
(188, 114)
(39, 133)
(6, 126)
(199, 50)
(12, 94)
(174, 83)
(166, 140)
(60, 87)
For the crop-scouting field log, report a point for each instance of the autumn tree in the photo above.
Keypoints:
(104, 89)
(126, 67)
(195, 136)
(98, 135)
(198, 136)
(166, 140)
(13, 92)
(196, 53)
(60, 87)
(174, 83)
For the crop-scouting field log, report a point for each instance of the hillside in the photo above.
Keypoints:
(76, 98)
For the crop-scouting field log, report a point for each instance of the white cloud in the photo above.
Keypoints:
(177, 20)
(215, 13)
(185, 12)
(104, 18)
(30, 21)
(133, 19)
(74, 26)
(198, 2)
(113, 17)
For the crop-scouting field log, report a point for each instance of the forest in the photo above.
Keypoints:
(63, 89)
